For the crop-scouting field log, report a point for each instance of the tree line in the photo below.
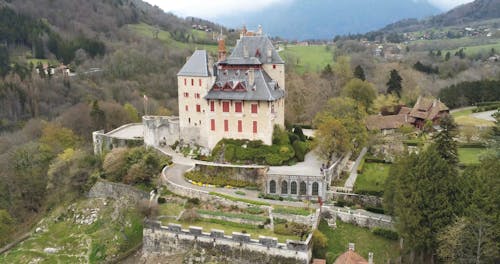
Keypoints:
(470, 93)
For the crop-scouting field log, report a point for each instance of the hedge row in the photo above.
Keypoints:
(385, 233)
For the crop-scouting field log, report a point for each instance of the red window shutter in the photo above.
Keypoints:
(254, 108)
(225, 107)
(212, 106)
(192, 82)
(226, 125)
(187, 108)
(198, 108)
(199, 82)
(240, 126)
(274, 66)
(254, 126)
(185, 81)
(212, 124)
(237, 107)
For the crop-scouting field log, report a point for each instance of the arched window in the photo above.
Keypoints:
(293, 187)
(303, 188)
(315, 188)
(284, 187)
(272, 186)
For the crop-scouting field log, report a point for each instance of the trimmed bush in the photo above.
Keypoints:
(385, 233)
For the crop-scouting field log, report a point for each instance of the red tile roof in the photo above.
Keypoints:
(350, 257)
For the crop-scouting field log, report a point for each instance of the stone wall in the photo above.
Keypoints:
(104, 189)
(363, 200)
(369, 221)
(310, 220)
(103, 142)
(159, 130)
(201, 247)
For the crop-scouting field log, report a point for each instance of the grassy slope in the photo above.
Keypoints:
(114, 232)
(373, 177)
(364, 240)
(310, 58)
(166, 38)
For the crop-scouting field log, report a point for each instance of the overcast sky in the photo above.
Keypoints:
(212, 8)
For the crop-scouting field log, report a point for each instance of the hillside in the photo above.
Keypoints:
(324, 19)
(479, 10)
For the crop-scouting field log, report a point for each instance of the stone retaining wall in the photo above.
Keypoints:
(363, 200)
(310, 220)
(360, 220)
(218, 247)
(104, 189)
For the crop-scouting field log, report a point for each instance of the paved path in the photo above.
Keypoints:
(354, 173)
(488, 115)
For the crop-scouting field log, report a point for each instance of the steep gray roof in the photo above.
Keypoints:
(264, 88)
(254, 44)
(241, 61)
(197, 65)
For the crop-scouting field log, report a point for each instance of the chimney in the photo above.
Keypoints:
(351, 247)
(245, 51)
(222, 49)
(370, 257)
(251, 77)
(259, 30)
(269, 55)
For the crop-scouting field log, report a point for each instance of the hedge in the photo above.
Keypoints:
(471, 145)
(385, 233)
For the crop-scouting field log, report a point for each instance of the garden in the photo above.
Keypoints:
(371, 179)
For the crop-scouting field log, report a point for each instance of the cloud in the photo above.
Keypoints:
(210, 9)
(448, 4)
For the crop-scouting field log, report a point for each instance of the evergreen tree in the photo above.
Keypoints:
(447, 56)
(425, 195)
(4, 61)
(359, 73)
(444, 139)
(327, 72)
(98, 116)
(394, 83)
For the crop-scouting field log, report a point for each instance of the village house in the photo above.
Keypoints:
(241, 96)
(425, 109)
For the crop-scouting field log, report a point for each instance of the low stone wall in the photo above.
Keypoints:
(104, 189)
(311, 220)
(218, 247)
(103, 142)
(361, 220)
(363, 200)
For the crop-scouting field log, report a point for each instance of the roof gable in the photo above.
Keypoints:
(259, 47)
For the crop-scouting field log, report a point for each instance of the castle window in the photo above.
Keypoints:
(192, 82)
(212, 106)
(238, 107)
(226, 125)
(186, 95)
(254, 108)
(315, 188)
(185, 81)
(293, 187)
(254, 127)
(225, 107)
(197, 95)
(303, 188)
(240, 126)
(198, 108)
(272, 186)
(212, 124)
(274, 66)
(284, 187)
(187, 108)
(199, 82)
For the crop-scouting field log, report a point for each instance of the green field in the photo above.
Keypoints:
(308, 58)
(474, 50)
(464, 112)
(372, 180)
(166, 37)
(469, 156)
(339, 238)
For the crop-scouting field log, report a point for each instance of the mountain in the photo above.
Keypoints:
(323, 19)
(476, 11)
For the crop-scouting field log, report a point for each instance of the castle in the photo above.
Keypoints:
(241, 96)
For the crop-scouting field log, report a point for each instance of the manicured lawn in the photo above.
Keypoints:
(230, 227)
(308, 58)
(469, 155)
(339, 238)
(372, 180)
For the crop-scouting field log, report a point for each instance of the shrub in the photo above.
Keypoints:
(291, 228)
(190, 215)
(386, 233)
(300, 148)
(320, 242)
(162, 200)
